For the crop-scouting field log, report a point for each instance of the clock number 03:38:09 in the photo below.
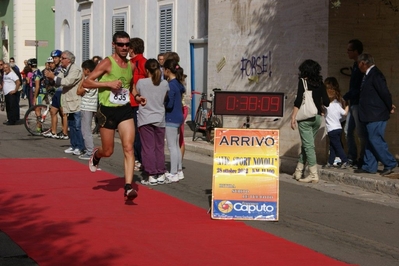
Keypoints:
(253, 103)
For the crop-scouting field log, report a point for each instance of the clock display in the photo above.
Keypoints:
(249, 103)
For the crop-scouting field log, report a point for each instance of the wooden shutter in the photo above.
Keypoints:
(165, 28)
(85, 39)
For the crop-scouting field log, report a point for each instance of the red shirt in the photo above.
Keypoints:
(138, 73)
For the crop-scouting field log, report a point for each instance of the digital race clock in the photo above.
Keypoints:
(249, 103)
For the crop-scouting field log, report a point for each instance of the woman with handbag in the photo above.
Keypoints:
(311, 95)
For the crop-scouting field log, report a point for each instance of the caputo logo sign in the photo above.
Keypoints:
(225, 206)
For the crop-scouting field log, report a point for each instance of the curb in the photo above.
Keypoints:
(370, 182)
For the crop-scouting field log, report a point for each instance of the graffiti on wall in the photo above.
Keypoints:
(257, 65)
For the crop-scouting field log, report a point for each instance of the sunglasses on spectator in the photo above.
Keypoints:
(121, 44)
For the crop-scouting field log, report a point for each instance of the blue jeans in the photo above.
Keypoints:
(75, 131)
(336, 148)
(355, 124)
(308, 131)
(376, 148)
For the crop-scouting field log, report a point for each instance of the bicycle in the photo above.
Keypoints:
(205, 121)
(36, 118)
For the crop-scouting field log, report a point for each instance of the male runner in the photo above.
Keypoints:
(114, 84)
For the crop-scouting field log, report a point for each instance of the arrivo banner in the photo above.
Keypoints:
(245, 182)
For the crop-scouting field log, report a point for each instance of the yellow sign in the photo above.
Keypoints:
(245, 174)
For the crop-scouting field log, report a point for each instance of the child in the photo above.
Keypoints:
(334, 113)
(174, 117)
(88, 108)
(151, 123)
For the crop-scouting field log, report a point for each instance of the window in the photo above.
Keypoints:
(118, 24)
(165, 28)
(85, 39)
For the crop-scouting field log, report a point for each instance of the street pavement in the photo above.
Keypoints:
(12, 254)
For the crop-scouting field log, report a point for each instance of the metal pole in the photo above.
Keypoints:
(37, 45)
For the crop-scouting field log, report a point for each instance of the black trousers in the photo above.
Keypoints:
(12, 107)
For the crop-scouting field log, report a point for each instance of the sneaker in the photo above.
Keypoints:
(137, 166)
(69, 150)
(180, 175)
(328, 165)
(130, 193)
(50, 135)
(46, 132)
(145, 182)
(61, 135)
(344, 165)
(77, 152)
(172, 178)
(85, 156)
(152, 181)
(93, 162)
(162, 179)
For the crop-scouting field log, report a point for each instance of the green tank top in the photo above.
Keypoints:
(117, 73)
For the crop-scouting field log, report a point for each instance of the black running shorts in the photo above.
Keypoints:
(110, 117)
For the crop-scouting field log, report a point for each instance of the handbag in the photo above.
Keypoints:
(308, 109)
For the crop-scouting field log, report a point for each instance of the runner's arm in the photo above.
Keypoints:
(104, 67)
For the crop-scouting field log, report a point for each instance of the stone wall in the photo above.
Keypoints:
(286, 32)
(289, 32)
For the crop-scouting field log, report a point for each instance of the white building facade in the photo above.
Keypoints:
(86, 27)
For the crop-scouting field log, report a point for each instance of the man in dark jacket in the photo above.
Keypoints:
(375, 106)
(354, 49)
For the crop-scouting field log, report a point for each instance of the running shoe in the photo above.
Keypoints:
(162, 179)
(69, 150)
(344, 165)
(61, 135)
(151, 181)
(85, 156)
(50, 135)
(93, 162)
(180, 175)
(77, 152)
(172, 177)
(137, 166)
(130, 193)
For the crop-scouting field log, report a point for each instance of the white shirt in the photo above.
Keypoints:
(333, 116)
(9, 82)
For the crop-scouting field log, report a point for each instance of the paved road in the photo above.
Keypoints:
(343, 222)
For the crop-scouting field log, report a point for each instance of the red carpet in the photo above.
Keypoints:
(62, 214)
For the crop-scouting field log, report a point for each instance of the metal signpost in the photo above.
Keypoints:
(36, 43)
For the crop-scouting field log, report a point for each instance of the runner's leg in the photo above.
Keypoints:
(126, 133)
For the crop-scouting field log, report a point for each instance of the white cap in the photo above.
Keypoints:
(50, 60)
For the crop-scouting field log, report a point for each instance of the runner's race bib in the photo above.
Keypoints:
(121, 97)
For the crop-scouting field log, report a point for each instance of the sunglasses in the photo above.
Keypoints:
(121, 44)
(62, 58)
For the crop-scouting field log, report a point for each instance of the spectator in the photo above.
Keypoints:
(70, 101)
(138, 60)
(174, 117)
(96, 59)
(333, 114)
(11, 86)
(56, 107)
(310, 71)
(375, 106)
(151, 123)
(354, 49)
(88, 108)
(175, 56)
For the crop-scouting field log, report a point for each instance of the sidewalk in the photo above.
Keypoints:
(370, 182)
